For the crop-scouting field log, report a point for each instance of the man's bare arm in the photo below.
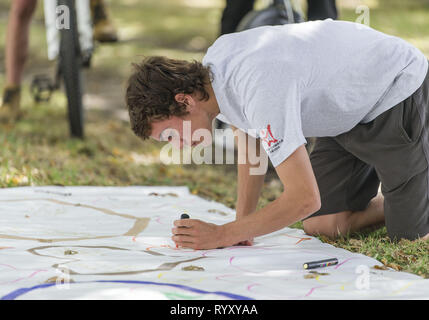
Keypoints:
(248, 186)
(299, 199)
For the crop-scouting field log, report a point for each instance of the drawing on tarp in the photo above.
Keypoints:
(115, 243)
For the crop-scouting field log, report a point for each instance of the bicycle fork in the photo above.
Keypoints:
(57, 17)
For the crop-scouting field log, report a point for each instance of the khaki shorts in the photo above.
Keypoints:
(392, 149)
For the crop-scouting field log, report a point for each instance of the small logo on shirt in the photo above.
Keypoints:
(268, 138)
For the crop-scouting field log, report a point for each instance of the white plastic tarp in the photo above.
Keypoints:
(115, 243)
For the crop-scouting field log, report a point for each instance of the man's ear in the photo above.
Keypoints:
(186, 99)
(180, 97)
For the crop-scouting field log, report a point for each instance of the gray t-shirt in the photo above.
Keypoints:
(311, 79)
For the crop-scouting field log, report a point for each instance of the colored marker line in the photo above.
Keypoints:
(19, 292)
(237, 267)
(224, 276)
(19, 279)
(249, 287)
(8, 265)
(404, 287)
(312, 290)
(300, 238)
(340, 264)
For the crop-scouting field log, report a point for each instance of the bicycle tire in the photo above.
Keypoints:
(70, 63)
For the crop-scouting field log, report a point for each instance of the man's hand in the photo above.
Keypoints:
(197, 234)
(245, 243)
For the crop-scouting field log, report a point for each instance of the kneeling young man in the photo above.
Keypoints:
(362, 93)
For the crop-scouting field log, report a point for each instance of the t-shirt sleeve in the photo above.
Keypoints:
(222, 118)
(272, 107)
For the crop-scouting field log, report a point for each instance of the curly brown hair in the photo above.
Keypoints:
(151, 90)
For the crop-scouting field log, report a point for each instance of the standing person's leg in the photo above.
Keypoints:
(104, 30)
(321, 9)
(17, 39)
(234, 11)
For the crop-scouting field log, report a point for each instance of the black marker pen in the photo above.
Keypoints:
(320, 263)
(182, 216)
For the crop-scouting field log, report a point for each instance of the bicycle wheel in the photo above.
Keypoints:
(70, 63)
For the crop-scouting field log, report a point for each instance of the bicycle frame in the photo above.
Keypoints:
(53, 12)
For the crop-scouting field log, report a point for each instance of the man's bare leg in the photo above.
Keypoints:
(342, 223)
(18, 30)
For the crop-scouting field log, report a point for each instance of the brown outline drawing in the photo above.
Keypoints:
(139, 225)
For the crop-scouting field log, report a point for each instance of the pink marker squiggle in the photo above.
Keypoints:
(224, 276)
(159, 221)
(340, 264)
(8, 265)
(312, 290)
(28, 277)
(241, 269)
(250, 286)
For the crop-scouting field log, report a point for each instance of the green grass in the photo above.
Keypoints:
(38, 151)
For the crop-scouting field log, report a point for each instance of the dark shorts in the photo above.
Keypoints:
(392, 149)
